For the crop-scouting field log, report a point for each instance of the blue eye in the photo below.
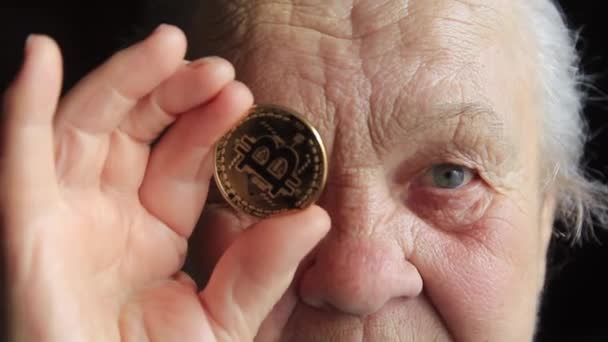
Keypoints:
(449, 176)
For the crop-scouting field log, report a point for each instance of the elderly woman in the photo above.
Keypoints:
(453, 138)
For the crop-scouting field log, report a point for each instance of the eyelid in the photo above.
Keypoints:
(426, 179)
(411, 170)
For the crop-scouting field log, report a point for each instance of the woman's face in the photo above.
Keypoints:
(430, 114)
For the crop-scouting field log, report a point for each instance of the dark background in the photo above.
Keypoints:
(576, 297)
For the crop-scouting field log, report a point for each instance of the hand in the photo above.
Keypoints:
(96, 221)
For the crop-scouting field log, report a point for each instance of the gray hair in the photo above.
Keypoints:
(580, 200)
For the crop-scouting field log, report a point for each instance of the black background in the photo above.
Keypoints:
(576, 298)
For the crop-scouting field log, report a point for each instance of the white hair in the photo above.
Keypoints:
(580, 200)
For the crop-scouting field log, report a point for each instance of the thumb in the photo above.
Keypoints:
(257, 269)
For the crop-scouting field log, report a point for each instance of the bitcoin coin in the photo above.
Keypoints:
(271, 162)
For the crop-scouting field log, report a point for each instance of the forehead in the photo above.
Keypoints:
(389, 67)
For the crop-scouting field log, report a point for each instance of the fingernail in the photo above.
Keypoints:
(29, 41)
(27, 49)
(204, 61)
(160, 27)
(220, 66)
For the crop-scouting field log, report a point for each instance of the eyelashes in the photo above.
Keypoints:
(448, 176)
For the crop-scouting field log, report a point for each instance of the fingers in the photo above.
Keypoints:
(216, 229)
(257, 269)
(101, 100)
(180, 167)
(192, 85)
(187, 281)
(28, 109)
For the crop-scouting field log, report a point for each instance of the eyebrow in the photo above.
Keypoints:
(472, 129)
(430, 120)
(479, 114)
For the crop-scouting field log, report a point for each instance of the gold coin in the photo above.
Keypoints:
(271, 162)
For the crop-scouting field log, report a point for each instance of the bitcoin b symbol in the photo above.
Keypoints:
(272, 164)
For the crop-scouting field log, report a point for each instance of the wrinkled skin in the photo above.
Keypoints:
(396, 87)
(97, 221)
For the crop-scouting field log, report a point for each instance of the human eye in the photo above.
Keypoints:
(449, 195)
(447, 176)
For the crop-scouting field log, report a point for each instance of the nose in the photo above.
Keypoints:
(361, 265)
(358, 277)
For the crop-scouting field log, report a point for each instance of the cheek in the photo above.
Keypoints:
(451, 210)
(482, 278)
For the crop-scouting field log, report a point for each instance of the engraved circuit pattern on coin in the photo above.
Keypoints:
(273, 161)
